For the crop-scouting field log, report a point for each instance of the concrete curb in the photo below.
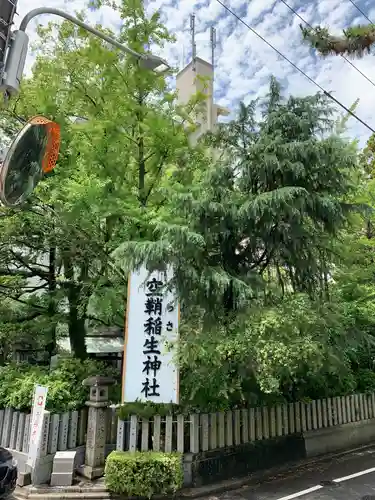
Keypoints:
(98, 492)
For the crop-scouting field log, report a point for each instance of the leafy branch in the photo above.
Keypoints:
(355, 41)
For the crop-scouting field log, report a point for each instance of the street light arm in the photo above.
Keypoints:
(56, 12)
(10, 78)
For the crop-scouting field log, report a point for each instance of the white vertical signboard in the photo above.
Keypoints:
(39, 405)
(150, 373)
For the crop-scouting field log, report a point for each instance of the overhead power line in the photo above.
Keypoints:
(345, 58)
(361, 11)
(330, 96)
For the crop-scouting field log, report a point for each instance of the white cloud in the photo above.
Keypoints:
(244, 62)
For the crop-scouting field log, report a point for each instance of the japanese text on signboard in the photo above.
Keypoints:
(153, 328)
(152, 320)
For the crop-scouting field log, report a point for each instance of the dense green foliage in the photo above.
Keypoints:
(143, 474)
(268, 223)
(65, 389)
(263, 213)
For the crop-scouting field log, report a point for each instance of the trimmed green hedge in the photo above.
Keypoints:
(144, 474)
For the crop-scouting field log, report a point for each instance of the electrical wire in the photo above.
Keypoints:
(361, 11)
(345, 58)
(330, 96)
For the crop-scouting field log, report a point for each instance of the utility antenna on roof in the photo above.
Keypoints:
(183, 57)
(210, 101)
(193, 44)
(213, 46)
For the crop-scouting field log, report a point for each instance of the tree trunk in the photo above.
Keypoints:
(141, 154)
(76, 327)
(228, 299)
(51, 346)
(3, 354)
(76, 317)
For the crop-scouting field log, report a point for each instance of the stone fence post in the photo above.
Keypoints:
(96, 426)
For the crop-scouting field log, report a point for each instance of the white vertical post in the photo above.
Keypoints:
(133, 433)
(120, 440)
(194, 433)
(54, 434)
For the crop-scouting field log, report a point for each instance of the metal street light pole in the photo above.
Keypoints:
(15, 58)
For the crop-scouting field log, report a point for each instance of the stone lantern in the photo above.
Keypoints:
(96, 426)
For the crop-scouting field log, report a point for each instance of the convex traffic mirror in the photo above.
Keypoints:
(33, 153)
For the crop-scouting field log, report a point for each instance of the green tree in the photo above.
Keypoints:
(114, 161)
(268, 207)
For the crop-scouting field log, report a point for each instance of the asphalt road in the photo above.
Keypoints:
(349, 477)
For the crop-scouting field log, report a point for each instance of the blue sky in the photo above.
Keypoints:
(244, 62)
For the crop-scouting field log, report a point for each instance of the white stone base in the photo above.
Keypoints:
(61, 479)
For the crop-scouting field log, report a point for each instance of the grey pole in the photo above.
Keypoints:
(7, 12)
